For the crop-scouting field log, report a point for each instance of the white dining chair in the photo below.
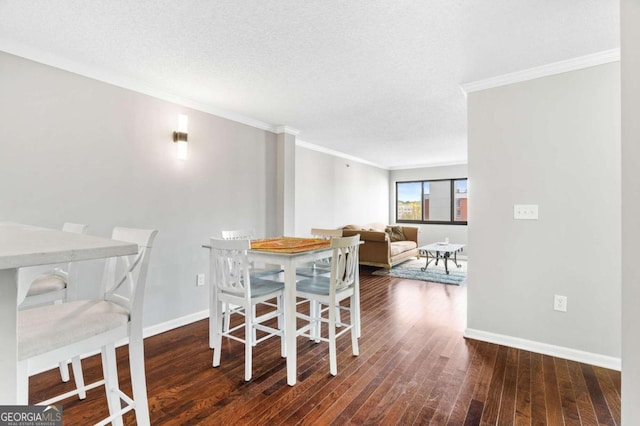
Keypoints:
(228, 310)
(245, 234)
(57, 286)
(322, 266)
(342, 284)
(237, 234)
(232, 284)
(58, 332)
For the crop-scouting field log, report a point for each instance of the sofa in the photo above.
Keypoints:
(384, 246)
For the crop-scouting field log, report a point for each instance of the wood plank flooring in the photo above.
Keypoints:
(414, 368)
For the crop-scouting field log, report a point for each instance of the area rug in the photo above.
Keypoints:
(434, 273)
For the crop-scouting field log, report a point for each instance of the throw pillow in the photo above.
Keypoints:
(395, 233)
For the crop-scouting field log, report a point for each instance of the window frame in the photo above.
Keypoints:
(452, 202)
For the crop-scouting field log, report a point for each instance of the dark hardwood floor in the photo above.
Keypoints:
(414, 368)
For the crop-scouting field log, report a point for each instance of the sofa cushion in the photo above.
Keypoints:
(378, 227)
(401, 246)
(395, 233)
(375, 226)
(353, 227)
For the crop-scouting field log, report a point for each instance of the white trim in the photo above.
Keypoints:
(125, 82)
(573, 64)
(286, 129)
(139, 86)
(174, 323)
(599, 360)
(426, 166)
(324, 150)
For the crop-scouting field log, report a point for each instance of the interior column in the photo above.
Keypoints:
(285, 186)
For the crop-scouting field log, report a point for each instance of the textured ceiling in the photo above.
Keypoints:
(379, 80)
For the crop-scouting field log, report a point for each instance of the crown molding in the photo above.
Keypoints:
(573, 64)
(125, 82)
(286, 129)
(429, 165)
(138, 86)
(339, 154)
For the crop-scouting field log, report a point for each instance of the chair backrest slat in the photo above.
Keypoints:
(239, 234)
(344, 263)
(125, 276)
(326, 233)
(231, 266)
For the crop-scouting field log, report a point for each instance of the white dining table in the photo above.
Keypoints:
(22, 246)
(289, 263)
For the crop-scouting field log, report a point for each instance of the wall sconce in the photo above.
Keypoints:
(180, 137)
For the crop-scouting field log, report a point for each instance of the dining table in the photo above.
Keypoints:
(22, 246)
(289, 253)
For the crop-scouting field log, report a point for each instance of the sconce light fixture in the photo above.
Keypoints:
(180, 137)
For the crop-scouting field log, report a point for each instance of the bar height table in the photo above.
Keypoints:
(24, 245)
(289, 263)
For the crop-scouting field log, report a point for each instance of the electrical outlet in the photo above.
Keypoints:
(560, 303)
(525, 211)
(200, 280)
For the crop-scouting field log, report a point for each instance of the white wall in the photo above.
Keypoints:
(552, 141)
(332, 192)
(630, 34)
(75, 149)
(431, 233)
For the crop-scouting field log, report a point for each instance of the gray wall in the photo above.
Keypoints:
(552, 141)
(630, 33)
(332, 192)
(75, 149)
(431, 233)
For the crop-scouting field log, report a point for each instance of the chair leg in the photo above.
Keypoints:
(249, 329)
(254, 335)
(317, 324)
(355, 308)
(333, 363)
(312, 323)
(110, 372)
(138, 380)
(338, 320)
(226, 317)
(212, 317)
(283, 340)
(217, 336)
(78, 376)
(354, 326)
(355, 313)
(63, 366)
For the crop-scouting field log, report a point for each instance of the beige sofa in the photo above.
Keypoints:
(379, 249)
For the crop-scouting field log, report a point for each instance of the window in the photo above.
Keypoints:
(432, 201)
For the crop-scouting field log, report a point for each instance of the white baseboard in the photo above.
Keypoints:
(546, 349)
(174, 323)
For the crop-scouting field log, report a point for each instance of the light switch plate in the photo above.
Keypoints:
(200, 280)
(525, 211)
